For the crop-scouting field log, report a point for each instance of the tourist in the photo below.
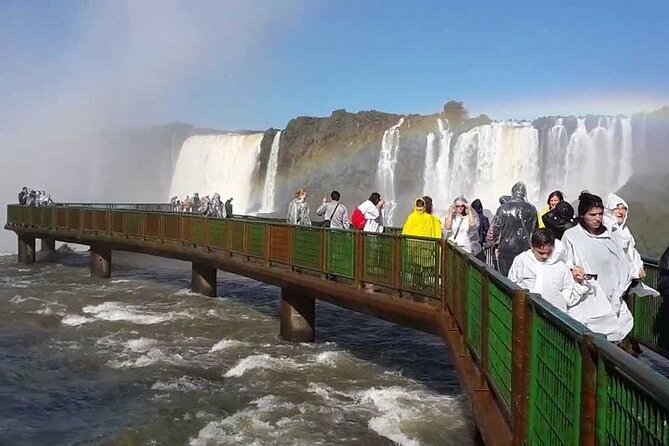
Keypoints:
(420, 223)
(335, 214)
(462, 225)
(23, 196)
(369, 215)
(663, 281)
(298, 209)
(196, 202)
(559, 219)
(512, 227)
(228, 208)
(216, 206)
(554, 198)
(429, 209)
(188, 204)
(541, 271)
(484, 227)
(598, 261)
(615, 218)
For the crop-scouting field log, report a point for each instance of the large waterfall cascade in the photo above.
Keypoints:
(385, 172)
(268, 196)
(224, 163)
(487, 160)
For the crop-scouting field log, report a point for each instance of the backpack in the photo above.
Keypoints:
(358, 219)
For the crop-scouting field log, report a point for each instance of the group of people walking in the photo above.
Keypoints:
(584, 263)
(211, 207)
(31, 197)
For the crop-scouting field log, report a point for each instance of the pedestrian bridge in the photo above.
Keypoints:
(533, 375)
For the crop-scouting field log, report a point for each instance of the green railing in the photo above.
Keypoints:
(555, 382)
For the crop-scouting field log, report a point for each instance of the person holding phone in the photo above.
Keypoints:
(595, 258)
(462, 226)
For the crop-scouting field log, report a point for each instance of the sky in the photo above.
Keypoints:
(256, 64)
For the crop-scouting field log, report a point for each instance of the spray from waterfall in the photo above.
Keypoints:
(223, 164)
(385, 172)
(270, 178)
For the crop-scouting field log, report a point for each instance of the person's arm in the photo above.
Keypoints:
(322, 208)
(345, 222)
(472, 218)
(448, 222)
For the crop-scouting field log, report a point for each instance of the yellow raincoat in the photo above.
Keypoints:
(421, 224)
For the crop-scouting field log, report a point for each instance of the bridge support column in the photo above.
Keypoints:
(26, 249)
(298, 315)
(203, 279)
(100, 261)
(48, 244)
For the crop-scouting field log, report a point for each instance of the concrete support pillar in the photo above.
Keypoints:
(298, 315)
(100, 259)
(48, 244)
(203, 279)
(26, 249)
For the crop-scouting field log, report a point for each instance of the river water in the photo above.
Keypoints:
(140, 360)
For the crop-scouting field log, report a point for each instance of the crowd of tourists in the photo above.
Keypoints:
(211, 207)
(584, 262)
(32, 197)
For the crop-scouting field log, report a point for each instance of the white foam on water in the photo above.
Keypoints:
(140, 345)
(75, 320)
(152, 357)
(52, 309)
(120, 281)
(117, 311)
(69, 293)
(186, 292)
(328, 357)
(225, 344)
(18, 299)
(263, 361)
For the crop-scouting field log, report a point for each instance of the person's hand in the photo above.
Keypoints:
(642, 273)
(578, 274)
(325, 199)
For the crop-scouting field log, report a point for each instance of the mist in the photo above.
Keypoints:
(76, 78)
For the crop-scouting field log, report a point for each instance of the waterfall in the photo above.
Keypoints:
(429, 173)
(217, 163)
(485, 162)
(270, 176)
(626, 152)
(385, 172)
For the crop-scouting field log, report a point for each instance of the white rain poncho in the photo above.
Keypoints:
(298, 213)
(552, 278)
(373, 217)
(625, 239)
(602, 308)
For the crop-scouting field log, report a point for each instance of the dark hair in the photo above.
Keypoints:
(555, 193)
(587, 201)
(428, 204)
(542, 237)
(335, 195)
(420, 203)
(375, 198)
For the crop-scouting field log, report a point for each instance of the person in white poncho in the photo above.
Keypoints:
(598, 261)
(542, 270)
(615, 218)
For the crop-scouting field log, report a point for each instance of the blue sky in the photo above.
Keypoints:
(255, 64)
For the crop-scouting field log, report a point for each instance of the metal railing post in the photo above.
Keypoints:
(520, 366)
(588, 434)
(485, 327)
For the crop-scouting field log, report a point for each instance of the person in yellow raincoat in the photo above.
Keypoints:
(420, 258)
(420, 223)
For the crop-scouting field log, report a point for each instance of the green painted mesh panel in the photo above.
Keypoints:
(307, 247)
(652, 276)
(648, 320)
(474, 298)
(555, 385)
(199, 233)
(450, 275)
(625, 415)
(134, 223)
(420, 266)
(13, 214)
(500, 340)
(218, 233)
(257, 240)
(236, 229)
(378, 262)
(341, 253)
